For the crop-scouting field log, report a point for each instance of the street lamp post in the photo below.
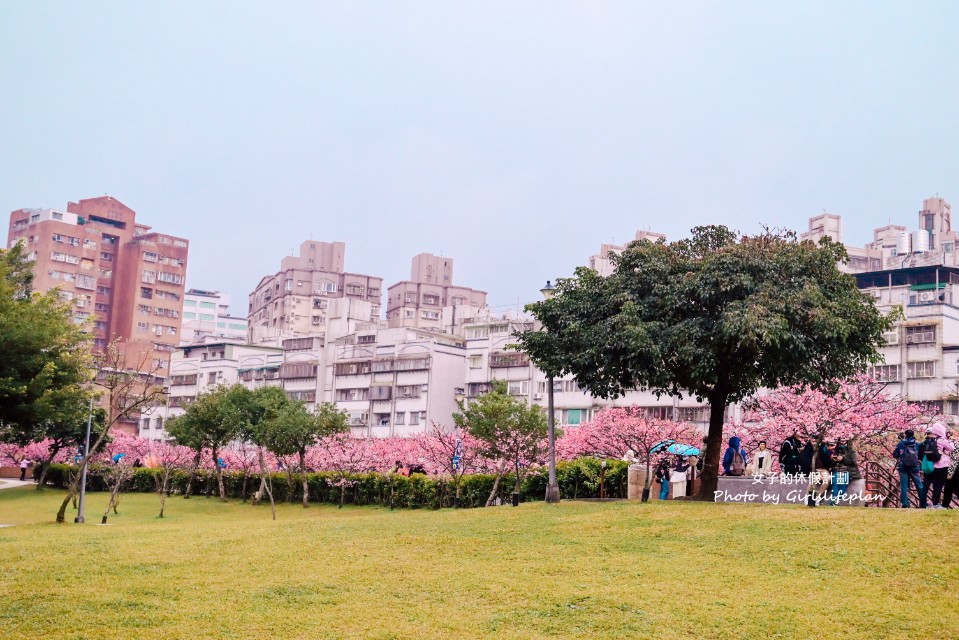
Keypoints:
(552, 488)
(83, 475)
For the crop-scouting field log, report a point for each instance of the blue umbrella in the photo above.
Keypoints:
(683, 449)
(661, 445)
(117, 457)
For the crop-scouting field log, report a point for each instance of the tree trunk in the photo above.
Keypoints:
(259, 492)
(342, 494)
(113, 496)
(163, 489)
(45, 466)
(269, 492)
(306, 486)
(648, 483)
(219, 474)
(246, 477)
(189, 480)
(492, 494)
(714, 447)
(75, 484)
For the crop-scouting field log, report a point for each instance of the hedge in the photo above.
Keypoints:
(578, 479)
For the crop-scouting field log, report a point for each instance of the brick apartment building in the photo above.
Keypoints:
(117, 273)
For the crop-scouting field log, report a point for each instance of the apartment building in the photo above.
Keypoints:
(429, 299)
(200, 367)
(489, 358)
(894, 247)
(207, 314)
(294, 301)
(397, 382)
(117, 273)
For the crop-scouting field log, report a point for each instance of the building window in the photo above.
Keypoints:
(926, 369)
(400, 417)
(922, 334)
(477, 332)
(106, 257)
(886, 373)
(148, 277)
(476, 361)
(572, 416)
(143, 326)
(430, 315)
(86, 282)
(431, 298)
(520, 388)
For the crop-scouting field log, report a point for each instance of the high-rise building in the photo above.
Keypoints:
(128, 279)
(429, 299)
(295, 301)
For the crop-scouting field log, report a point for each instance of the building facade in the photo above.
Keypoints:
(126, 279)
(429, 299)
(294, 302)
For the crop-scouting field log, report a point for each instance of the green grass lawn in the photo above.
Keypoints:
(577, 570)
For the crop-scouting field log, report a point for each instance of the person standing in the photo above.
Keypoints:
(677, 477)
(734, 460)
(819, 478)
(807, 458)
(24, 464)
(951, 488)
(662, 477)
(789, 454)
(762, 464)
(845, 471)
(935, 452)
(907, 453)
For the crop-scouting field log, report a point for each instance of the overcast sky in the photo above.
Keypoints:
(514, 137)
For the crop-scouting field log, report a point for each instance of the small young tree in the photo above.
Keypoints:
(293, 429)
(128, 380)
(167, 458)
(451, 453)
(614, 432)
(506, 429)
(212, 422)
(345, 456)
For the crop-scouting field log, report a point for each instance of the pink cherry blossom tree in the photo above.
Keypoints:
(345, 456)
(861, 411)
(448, 453)
(615, 432)
(166, 457)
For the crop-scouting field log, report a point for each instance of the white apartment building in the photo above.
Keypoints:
(198, 368)
(207, 314)
(601, 262)
(397, 382)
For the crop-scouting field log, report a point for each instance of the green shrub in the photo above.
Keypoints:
(577, 479)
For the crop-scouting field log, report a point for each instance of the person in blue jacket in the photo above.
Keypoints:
(732, 464)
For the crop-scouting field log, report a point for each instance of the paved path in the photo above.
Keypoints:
(11, 483)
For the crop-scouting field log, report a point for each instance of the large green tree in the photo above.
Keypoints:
(506, 429)
(715, 316)
(46, 360)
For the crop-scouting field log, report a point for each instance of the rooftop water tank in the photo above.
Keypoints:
(904, 243)
(920, 241)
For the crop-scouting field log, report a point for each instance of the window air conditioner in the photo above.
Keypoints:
(537, 396)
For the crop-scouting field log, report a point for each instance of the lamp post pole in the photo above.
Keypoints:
(83, 475)
(552, 488)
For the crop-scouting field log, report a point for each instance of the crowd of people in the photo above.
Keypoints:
(832, 466)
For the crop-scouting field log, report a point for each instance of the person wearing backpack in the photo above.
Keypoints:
(790, 454)
(934, 455)
(734, 460)
(907, 453)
